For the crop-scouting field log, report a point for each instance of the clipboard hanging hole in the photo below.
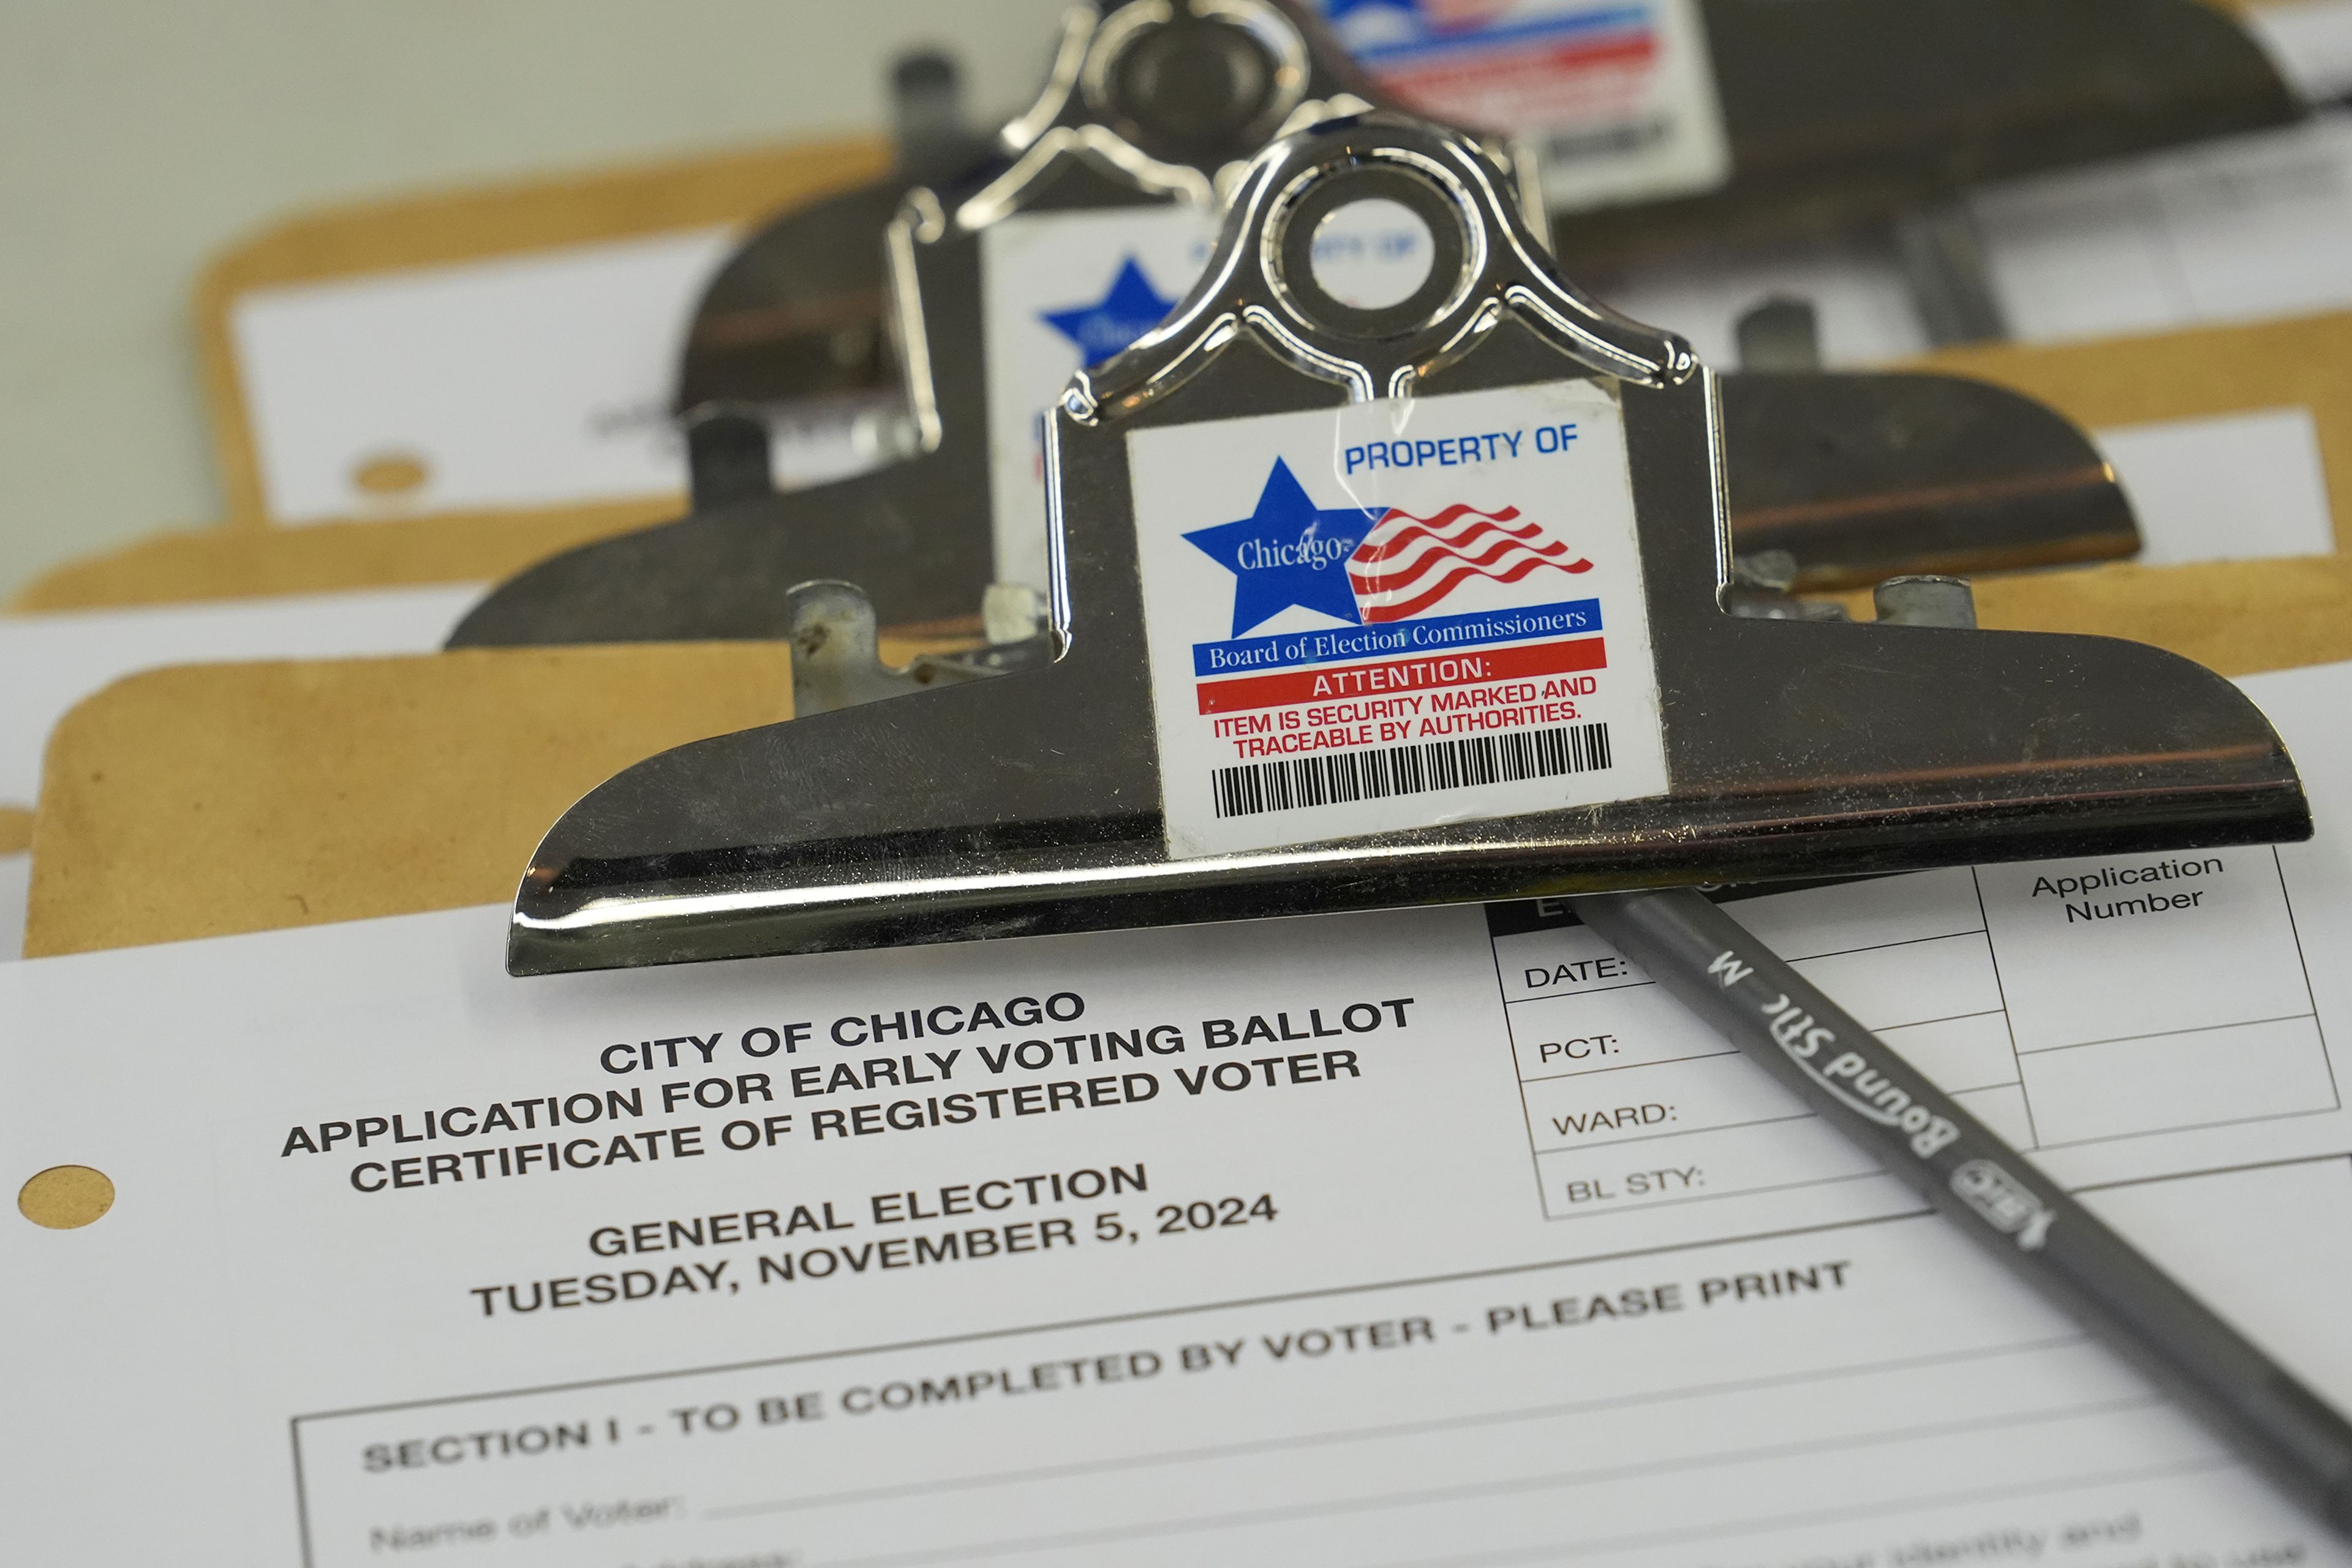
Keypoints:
(388, 475)
(1184, 78)
(1372, 254)
(65, 1198)
(1370, 250)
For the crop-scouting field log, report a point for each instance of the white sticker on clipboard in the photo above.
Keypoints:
(1618, 96)
(1394, 614)
(1061, 291)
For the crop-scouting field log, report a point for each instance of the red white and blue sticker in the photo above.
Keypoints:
(1394, 615)
(1617, 95)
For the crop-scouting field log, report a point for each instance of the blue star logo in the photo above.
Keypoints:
(1132, 308)
(1288, 551)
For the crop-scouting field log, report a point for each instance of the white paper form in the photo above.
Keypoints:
(16, 887)
(1326, 1259)
(2242, 228)
(2231, 487)
(2311, 41)
(49, 662)
(525, 380)
(542, 379)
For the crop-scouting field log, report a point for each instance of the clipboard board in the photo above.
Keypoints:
(306, 792)
(232, 562)
(208, 799)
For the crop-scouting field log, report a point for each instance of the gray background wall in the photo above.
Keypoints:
(137, 137)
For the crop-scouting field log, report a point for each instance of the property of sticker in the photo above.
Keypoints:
(1394, 615)
(1617, 95)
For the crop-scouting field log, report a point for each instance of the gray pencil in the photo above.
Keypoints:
(1711, 964)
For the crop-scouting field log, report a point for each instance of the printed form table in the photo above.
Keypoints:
(2063, 1003)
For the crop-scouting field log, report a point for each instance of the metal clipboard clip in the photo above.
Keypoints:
(1048, 798)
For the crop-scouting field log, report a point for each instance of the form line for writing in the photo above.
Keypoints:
(1501, 1487)
(1398, 1429)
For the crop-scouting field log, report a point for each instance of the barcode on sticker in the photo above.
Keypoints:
(1323, 778)
(1608, 140)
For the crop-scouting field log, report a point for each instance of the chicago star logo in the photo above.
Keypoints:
(1129, 309)
(1362, 566)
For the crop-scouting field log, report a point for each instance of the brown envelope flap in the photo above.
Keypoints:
(325, 558)
(208, 799)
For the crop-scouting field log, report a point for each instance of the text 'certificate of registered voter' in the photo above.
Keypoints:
(1431, 1237)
